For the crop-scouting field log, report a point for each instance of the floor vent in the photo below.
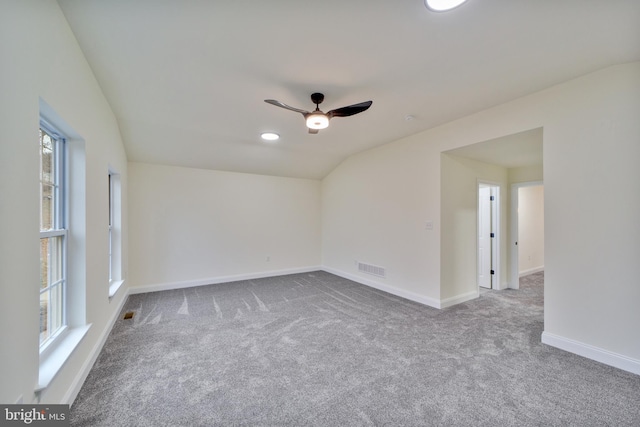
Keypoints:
(128, 315)
(372, 269)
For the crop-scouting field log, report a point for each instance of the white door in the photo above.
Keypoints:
(484, 236)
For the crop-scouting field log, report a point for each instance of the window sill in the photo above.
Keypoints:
(114, 286)
(52, 361)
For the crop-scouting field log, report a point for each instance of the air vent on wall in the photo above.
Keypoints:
(372, 269)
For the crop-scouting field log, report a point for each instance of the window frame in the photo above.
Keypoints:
(111, 222)
(59, 230)
(58, 351)
(116, 280)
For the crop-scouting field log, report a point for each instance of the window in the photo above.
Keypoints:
(53, 234)
(63, 246)
(115, 231)
(111, 221)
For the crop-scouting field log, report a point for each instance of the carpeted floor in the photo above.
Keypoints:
(314, 349)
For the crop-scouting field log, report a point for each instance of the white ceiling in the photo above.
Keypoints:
(511, 151)
(186, 79)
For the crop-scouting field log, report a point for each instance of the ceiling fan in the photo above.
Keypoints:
(316, 119)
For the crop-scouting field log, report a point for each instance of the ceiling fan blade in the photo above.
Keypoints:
(350, 110)
(313, 131)
(285, 106)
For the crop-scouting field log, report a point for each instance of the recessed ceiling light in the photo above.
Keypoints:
(442, 5)
(270, 136)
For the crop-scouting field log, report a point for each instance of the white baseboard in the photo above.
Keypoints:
(531, 271)
(78, 381)
(594, 353)
(431, 302)
(448, 302)
(219, 279)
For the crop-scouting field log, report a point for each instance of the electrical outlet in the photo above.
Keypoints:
(268, 258)
(428, 225)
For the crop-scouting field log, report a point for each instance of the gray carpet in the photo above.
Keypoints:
(314, 349)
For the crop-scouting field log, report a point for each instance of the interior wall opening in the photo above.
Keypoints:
(527, 230)
(504, 161)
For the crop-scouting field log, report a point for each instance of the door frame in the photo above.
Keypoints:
(514, 282)
(495, 225)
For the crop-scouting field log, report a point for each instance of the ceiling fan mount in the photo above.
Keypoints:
(317, 98)
(316, 119)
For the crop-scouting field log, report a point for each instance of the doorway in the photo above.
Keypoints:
(488, 226)
(527, 230)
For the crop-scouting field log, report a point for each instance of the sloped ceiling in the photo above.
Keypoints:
(512, 151)
(187, 79)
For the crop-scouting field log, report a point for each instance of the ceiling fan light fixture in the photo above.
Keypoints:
(317, 121)
(442, 5)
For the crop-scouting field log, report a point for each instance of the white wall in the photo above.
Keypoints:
(374, 210)
(376, 202)
(194, 226)
(459, 204)
(41, 59)
(530, 229)
(525, 174)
